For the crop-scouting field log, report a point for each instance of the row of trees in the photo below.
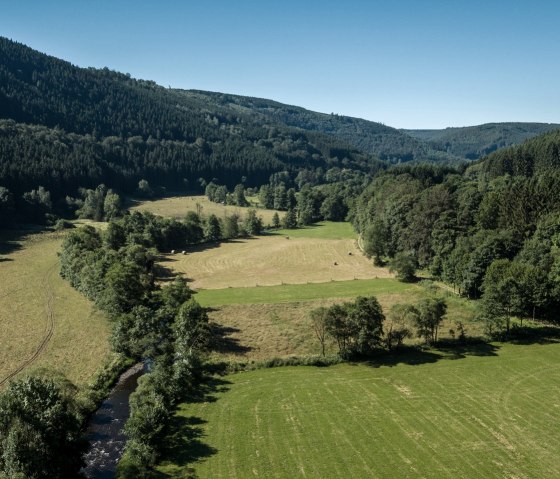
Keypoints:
(357, 327)
(162, 325)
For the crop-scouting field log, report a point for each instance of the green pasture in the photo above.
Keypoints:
(485, 411)
(321, 230)
(302, 292)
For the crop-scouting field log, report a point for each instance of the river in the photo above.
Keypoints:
(105, 428)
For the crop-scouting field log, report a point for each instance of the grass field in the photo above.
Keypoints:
(43, 321)
(321, 230)
(302, 292)
(273, 260)
(246, 332)
(178, 206)
(491, 411)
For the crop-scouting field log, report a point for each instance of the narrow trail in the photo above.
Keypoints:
(49, 324)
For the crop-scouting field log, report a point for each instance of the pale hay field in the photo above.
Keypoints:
(178, 206)
(273, 260)
(43, 321)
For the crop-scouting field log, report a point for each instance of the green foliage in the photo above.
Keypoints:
(356, 327)
(40, 434)
(404, 265)
(252, 224)
(428, 316)
(290, 220)
(213, 229)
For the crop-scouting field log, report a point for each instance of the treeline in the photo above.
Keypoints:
(37, 206)
(387, 143)
(462, 227)
(309, 197)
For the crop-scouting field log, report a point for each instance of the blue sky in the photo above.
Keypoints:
(408, 64)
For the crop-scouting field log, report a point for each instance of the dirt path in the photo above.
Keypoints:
(49, 324)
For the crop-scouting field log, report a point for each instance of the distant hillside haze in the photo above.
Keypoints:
(473, 142)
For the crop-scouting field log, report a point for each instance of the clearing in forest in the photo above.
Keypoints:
(485, 411)
(43, 321)
(178, 206)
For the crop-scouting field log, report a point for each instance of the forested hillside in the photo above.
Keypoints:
(473, 142)
(538, 156)
(389, 144)
(491, 232)
(103, 125)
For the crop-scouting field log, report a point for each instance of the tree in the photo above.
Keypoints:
(356, 327)
(290, 220)
(404, 264)
(144, 190)
(376, 237)
(253, 223)
(266, 196)
(231, 226)
(397, 330)
(191, 337)
(319, 325)
(280, 197)
(40, 433)
(366, 322)
(333, 208)
(276, 220)
(431, 312)
(213, 230)
(112, 206)
(239, 196)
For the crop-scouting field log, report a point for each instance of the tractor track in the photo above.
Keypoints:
(49, 325)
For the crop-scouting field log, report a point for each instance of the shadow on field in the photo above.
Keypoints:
(205, 392)
(534, 335)
(414, 356)
(184, 445)
(222, 342)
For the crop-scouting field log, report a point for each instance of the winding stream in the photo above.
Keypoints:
(104, 431)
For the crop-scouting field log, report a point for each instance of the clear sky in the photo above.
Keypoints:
(405, 63)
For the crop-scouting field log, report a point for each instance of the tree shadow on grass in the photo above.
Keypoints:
(414, 356)
(185, 446)
(207, 389)
(223, 342)
(548, 334)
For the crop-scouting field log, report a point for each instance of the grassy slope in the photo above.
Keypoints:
(178, 206)
(35, 302)
(491, 412)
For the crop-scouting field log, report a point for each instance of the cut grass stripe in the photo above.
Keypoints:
(301, 292)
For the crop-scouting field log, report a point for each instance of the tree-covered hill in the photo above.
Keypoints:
(473, 142)
(66, 127)
(387, 143)
(537, 156)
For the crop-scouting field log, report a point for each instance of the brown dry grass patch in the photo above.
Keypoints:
(178, 206)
